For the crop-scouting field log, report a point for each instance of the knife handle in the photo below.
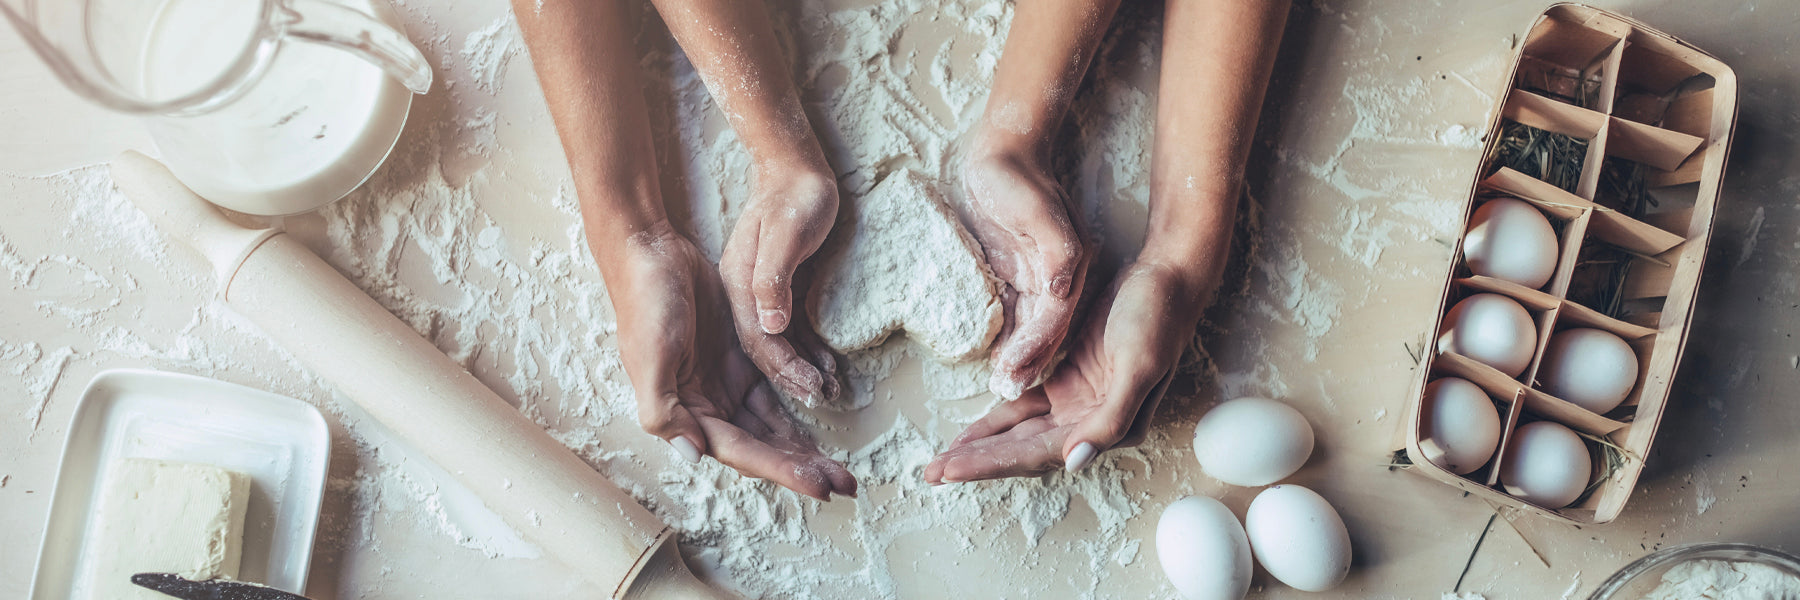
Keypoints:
(211, 589)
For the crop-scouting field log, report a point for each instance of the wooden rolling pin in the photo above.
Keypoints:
(554, 499)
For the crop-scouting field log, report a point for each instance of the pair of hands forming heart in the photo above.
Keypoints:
(697, 340)
(1101, 397)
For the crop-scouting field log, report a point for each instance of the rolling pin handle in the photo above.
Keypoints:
(186, 217)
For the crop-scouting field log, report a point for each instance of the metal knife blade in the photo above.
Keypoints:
(215, 589)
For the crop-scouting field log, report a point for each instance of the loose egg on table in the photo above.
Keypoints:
(1252, 441)
(1511, 240)
(1461, 426)
(1545, 464)
(1492, 329)
(1203, 550)
(1594, 369)
(1298, 538)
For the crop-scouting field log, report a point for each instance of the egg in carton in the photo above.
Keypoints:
(1572, 291)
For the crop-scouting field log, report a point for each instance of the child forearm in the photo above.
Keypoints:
(732, 45)
(1046, 55)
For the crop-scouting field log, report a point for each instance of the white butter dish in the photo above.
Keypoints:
(281, 443)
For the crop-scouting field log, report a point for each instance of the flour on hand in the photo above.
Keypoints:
(904, 262)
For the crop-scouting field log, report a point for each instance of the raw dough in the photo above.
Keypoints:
(905, 262)
(165, 517)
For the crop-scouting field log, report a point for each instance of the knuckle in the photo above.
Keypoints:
(655, 419)
(1114, 430)
(772, 286)
(1066, 253)
(733, 271)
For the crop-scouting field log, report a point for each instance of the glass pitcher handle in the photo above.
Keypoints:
(341, 27)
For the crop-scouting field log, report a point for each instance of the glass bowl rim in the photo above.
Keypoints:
(1675, 554)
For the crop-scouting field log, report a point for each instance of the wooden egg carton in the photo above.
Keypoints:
(1634, 94)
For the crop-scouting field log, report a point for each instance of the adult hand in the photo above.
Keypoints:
(1021, 217)
(790, 212)
(1096, 399)
(695, 388)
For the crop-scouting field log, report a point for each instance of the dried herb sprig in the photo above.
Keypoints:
(1622, 187)
(1612, 459)
(1599, 280)
(1552, 157)
(1399, 460)
(1472, 552)
(1601, 273)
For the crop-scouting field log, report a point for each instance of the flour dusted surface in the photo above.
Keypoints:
(903, 262)
(471, 233)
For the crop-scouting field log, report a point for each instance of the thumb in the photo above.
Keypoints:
(779, 251)
(1123, 415)
(661, 413)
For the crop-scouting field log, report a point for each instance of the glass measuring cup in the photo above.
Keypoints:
(247, 119)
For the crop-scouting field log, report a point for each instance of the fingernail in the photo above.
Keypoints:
(1079, 457)
(686, 449)
(773, 321)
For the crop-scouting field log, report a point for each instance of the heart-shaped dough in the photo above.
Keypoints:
(904, 261)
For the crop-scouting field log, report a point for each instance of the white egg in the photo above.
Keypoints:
(1460, 425)
(1203, 550)
(1492, 329)
(1298, 538)
(1545, 464)
(1589, 367)
(1252, 441)
(1511, 240)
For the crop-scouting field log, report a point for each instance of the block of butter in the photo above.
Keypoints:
(165, 517)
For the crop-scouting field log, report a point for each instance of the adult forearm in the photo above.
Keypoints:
(732, 45)
(587, 65)
(1047, 53)
(1216, 59)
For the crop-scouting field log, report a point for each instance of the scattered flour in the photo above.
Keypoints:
(1458, 136)
(1127, 553)
(1704, 498)
(955, 381)
(40, 370)
(1574, 586)
(487, 51)
(1751, 232)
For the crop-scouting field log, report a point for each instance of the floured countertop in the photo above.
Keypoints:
(1367, 146)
